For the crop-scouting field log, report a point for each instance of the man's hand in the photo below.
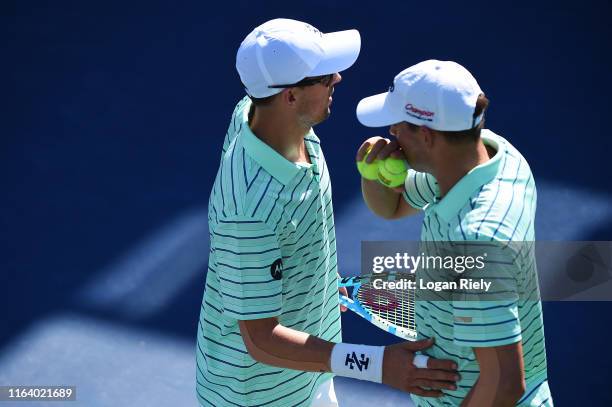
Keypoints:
(380, 148)
(382, 201)
(399, 372)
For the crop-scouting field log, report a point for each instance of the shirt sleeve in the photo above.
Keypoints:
(488, 317)
(248, 262)
(420, 189)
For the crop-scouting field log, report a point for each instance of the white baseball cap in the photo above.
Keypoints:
(438, 94)
(283, 52)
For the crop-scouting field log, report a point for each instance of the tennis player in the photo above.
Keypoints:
(472, 185)
(269, 329)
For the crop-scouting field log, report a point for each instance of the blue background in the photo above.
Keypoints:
(113, 117)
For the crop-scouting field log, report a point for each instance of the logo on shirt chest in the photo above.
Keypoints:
(276, 269)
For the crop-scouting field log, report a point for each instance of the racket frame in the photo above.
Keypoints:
(355, 305)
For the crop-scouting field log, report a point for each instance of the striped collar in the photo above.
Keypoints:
(460, 193)
(270, 160)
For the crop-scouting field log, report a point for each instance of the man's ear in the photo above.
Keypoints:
(428, 136)
(289, 96)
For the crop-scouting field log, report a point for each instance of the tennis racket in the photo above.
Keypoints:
(391, 310)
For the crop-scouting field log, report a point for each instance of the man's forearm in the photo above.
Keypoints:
(502, 379)
(381, 200)
(290, 349)
(492, 391)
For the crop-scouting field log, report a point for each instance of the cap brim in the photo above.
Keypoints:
(341, 51)
(374, 111)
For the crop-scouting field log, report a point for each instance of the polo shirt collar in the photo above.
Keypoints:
(460, 193)
(271, 161)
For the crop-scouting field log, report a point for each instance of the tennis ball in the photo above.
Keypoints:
(368, 171)
(392, 172)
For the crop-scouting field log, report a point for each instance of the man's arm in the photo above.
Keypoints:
(385, 202)
(269, 342)
(502, 377)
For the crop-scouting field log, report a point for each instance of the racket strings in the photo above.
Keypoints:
(394, 306)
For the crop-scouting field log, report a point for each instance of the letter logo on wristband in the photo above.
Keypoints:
(352, 360)
(361, 362)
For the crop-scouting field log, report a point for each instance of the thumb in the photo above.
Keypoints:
(419, 345)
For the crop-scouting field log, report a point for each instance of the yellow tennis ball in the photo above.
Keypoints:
(392, 172)
(368, 171)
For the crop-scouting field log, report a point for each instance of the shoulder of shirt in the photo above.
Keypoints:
(246, 200)
(513, 151)
(482, 202)
(482, 220)
(236, 123)
(232, 159)
(240, 106)
(237, 119)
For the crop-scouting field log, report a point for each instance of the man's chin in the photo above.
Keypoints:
(417, 167)
(411, 164)
(324, 116)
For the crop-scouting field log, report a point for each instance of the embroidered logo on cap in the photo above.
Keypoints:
(421, 114)
(276, 269)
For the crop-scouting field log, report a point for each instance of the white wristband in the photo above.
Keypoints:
(361, 362)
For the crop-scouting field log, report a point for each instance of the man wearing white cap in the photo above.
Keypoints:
(472, 185)
(270, 322)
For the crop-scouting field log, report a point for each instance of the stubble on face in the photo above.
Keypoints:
(316, 108)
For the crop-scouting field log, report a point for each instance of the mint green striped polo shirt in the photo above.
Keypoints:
(272, 254)
(494, 202)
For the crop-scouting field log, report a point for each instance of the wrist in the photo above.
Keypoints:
(361, 362)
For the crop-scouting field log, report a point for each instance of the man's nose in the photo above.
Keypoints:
(337, 78)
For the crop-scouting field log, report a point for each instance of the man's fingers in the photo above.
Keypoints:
(422, 392)
(441, 375)
(388, 149)
(376, 148)
(441, 364)
(433, 384)
(362, 151)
